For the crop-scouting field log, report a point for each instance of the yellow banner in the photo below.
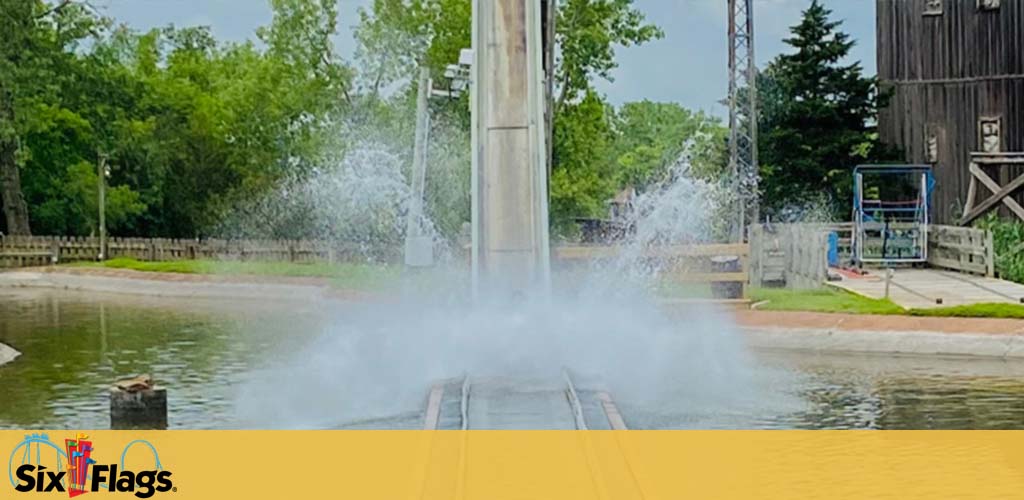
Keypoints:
(492, 465)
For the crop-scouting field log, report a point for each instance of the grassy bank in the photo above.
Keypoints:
(831, 300)
(344, 275)
(824, 300)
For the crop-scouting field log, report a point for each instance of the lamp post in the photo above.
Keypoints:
(102, 172)
(419, 247)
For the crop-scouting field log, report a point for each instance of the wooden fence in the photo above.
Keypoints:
(23, 251)
(962, 249)
(689, 263)
(797, 254)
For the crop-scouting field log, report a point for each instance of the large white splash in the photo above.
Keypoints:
(376, 360)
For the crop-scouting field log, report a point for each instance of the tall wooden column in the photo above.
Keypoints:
(510, 184)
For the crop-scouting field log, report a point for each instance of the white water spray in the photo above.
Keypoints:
(378, 360)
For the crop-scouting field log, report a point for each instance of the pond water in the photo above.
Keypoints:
(207, 352)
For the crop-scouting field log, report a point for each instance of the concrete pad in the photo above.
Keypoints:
(919, 288)
(1015, 348)
(802, 320)
(7, 354)
(155, 287)
(894, 342)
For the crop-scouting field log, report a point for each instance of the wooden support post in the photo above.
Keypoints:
(991, 201)
(979, 175)
(137, 404)
(972, 190)
(1001, 194)
(990, 257)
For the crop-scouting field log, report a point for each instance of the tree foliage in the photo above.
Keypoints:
(190, 124)
(199, 132)
(818, 116)
(653, 136)
(587, 33)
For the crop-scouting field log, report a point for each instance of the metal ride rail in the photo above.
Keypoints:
(438, 394)
(454, 474)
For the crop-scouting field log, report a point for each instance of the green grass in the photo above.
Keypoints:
(824, 300)
(832, 300)
(992, 310)
(346, 275)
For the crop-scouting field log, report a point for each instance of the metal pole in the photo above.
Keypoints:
(102, 186)
(743, 161)
(418, 247)
(550, 8)
(474, 141)
(754, 205)
(734, 168)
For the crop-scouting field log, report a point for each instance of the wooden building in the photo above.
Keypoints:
(956, 72)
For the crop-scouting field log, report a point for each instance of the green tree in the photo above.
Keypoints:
(82, 200)
(37, 46)
(395, 36)
(190, 125)
(652, 136)
(818, 114)
(582, 181)
(587, 33)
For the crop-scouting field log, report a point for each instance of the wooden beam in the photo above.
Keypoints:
(604, 252)
(993, 186)
(972, 192)
(999, 160)
(991, 201)
(713, 277)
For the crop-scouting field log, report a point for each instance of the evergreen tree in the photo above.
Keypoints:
(818, 118)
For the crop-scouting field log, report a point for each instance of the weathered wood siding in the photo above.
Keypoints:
(946, 71)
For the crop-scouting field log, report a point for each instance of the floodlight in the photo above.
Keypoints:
(466, 57)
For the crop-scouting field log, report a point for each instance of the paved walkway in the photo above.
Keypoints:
(126, 281)
(798, 320)
(823, 332)
(928, 288)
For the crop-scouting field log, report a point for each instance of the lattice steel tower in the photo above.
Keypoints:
(743, 115)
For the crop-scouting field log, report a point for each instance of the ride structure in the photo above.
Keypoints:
(891, 205)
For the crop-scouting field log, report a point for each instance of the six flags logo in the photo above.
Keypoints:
(83, 474)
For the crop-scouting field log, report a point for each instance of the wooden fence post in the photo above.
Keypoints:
(990, 255)
(756, 256)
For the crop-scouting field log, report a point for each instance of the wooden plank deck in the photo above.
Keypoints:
(923, 288)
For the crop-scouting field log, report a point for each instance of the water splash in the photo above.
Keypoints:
(377, 360)
(360, 203)
(681, 210)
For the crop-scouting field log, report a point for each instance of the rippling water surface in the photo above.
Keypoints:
(74, 345)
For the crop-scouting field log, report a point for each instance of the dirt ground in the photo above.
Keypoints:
(744, 317)
(865, 322)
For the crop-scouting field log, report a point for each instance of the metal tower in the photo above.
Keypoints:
(743, 115)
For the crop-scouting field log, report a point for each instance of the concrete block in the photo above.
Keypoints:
(7, 354)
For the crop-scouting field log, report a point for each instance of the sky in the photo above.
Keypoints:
(689, 65)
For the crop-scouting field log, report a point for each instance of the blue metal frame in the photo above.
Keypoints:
(873, 219)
